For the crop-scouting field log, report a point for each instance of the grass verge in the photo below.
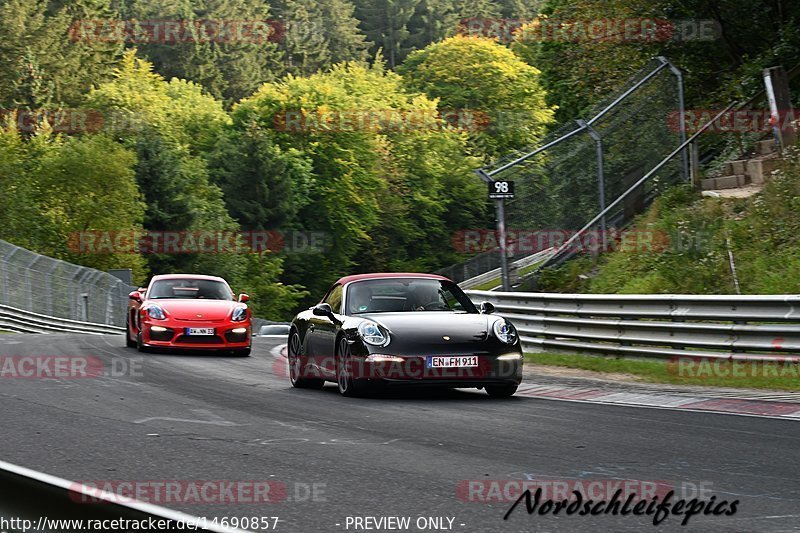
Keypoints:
(775, 376)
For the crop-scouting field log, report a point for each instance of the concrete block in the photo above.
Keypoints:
(730, 182)
(737, 167)
(759, 170)
(766, 147)
(709, 184)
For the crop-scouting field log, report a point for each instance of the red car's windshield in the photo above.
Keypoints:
(189, 288)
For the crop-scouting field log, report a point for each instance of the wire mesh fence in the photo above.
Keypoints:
(52, 287)
(584, 165)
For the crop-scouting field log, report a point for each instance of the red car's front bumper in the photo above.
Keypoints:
(173, 333)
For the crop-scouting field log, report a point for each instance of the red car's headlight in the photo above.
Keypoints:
(156, 312)
(239, 314)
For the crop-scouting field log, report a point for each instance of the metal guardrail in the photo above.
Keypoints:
(48, 503)
(748, 328)
(21, 321)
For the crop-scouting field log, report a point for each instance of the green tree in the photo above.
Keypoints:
(229, 69)
(265, 186)
(42, 60)
(316, 34)
(387, 190)
(479, 75)
(719, 67)
(385, 23)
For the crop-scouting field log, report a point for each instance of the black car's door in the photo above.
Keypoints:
(322, 333)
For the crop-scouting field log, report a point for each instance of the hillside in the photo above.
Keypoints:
(686, 243)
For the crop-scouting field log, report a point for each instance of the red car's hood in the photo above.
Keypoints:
(190, 309)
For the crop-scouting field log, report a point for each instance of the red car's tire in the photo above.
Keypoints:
(139, 344)
(242, 352)
(128, 342)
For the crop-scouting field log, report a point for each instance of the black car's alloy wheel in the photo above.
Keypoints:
(344, 371)
(297, 368)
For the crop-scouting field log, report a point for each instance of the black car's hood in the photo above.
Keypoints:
(431, 327)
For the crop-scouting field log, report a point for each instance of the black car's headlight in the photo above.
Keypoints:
(505, 331)
(156, 312)
(239, 314)
(371, 333)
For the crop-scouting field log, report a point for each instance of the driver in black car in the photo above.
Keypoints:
(424, 297)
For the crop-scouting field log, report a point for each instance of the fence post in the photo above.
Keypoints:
(7, 261)
(682, 109)
(601, 180)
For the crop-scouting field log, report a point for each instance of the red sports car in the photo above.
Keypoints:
(189, 311)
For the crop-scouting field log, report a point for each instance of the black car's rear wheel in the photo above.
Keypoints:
(296, 367)
(501, 391)
(348, 386)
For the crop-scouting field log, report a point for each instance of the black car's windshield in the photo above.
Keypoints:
(413, 294)
(190, 288)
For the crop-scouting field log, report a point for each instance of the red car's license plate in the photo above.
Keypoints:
(198, 331)
(452, 361)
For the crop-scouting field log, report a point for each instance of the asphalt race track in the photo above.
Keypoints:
(406, 454)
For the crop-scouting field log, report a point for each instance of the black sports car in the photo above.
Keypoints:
(379, 329)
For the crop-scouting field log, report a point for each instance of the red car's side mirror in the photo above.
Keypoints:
(243, 297)
(136, 296)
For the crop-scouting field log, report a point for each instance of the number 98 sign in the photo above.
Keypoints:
(501, 190)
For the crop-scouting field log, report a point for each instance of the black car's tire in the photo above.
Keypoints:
(128, 342)
(501, 391)
(296, 367)
(243, 352)
(344, 377)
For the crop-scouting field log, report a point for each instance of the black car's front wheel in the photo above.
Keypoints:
(348, 386)
(296, 367)
(501, 391)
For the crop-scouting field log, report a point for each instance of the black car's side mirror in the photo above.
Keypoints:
(324, 309)
(487, 308)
